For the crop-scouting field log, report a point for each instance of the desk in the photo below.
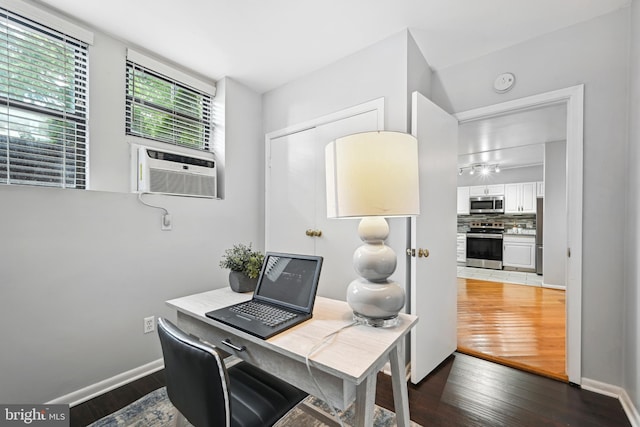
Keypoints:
(346, 368)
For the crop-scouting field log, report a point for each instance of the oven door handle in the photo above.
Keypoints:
(484, 235)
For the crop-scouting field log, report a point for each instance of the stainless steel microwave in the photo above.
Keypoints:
(486, 204)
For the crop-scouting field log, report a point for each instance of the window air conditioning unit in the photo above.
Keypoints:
(165, 172)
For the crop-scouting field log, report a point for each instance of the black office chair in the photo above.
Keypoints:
(209, 395)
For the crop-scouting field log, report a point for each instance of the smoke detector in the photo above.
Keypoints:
(504, 82)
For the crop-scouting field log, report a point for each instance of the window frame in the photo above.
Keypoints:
(139, 67)
(67, 166)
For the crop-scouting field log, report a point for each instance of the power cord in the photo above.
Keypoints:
(315, 348)
(166, 217)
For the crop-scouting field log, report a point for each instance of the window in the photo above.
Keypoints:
(163, 109)
(43, 105)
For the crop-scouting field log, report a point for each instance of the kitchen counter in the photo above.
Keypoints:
(520, 232)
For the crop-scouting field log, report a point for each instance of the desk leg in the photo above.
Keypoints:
(399, 383)
(365, 401)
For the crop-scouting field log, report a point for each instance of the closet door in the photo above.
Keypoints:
(296, 201)
(339, 235)
(290, 205)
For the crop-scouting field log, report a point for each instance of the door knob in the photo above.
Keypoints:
(309, 233)
(421, 252)
(313, 233)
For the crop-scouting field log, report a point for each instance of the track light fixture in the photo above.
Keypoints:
(480, 168)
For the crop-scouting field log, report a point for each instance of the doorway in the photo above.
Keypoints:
(572, 98)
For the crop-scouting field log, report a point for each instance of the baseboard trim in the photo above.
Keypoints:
(79, 396)
(558, 287)
(617, 392)
(630, 409)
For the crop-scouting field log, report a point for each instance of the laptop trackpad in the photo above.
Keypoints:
(240, 316)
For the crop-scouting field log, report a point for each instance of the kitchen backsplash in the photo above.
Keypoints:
(524, 221)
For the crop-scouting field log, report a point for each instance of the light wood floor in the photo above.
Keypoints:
(515, 325)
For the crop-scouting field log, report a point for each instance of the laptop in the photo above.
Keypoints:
(284, 296)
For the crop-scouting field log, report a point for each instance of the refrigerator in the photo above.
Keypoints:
(539, 228)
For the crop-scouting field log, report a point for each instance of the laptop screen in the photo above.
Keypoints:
(289, 280)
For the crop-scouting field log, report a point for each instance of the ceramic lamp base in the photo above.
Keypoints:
(374, 299)
(375, 304)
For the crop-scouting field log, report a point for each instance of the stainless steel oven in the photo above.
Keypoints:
(484, 245)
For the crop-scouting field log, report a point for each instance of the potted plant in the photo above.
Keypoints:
(245, 265)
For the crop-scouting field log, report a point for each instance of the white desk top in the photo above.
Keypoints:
(351, 354)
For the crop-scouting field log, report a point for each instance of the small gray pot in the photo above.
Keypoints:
(240, 282)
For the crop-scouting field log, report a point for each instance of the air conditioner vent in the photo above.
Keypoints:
(174, 173)
(170, 182)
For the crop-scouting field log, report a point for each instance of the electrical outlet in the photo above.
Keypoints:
(166, 222)
(149, 324)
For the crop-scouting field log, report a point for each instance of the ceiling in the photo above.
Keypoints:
(512, 140)
(264, 44)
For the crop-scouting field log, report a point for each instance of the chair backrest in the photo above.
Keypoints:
(196, 378)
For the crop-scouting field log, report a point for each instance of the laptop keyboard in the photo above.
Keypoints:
(267, 314)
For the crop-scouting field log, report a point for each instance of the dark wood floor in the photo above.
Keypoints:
(463, 391)
(471, 392)
(101, 406)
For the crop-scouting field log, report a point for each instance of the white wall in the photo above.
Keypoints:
(631, 352)
(419, 74)
(555, 213)
(80, 269)
(379, 70)
(109, 169)
(594, 53)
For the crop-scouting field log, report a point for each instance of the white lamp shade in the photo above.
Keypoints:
(372, 174)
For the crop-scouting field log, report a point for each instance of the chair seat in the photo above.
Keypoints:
(258, 399)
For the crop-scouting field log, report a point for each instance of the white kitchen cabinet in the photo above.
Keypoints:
(463, 200)
(487, 190)
(520, 197)
(461, 248)
(519, 252)
(512, 198)
(540, 189)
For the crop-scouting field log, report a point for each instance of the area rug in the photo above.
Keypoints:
(155, 410)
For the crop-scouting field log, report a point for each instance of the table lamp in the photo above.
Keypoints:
(373, 175)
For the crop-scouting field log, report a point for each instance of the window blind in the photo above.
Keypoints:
(163, 109)
(43, 105)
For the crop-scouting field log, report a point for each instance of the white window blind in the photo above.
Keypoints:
(43, 105)
(163, 109)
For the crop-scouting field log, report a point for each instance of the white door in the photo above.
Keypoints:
(339, 238)
(296, 201)
(290, 202)
(433, 278)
